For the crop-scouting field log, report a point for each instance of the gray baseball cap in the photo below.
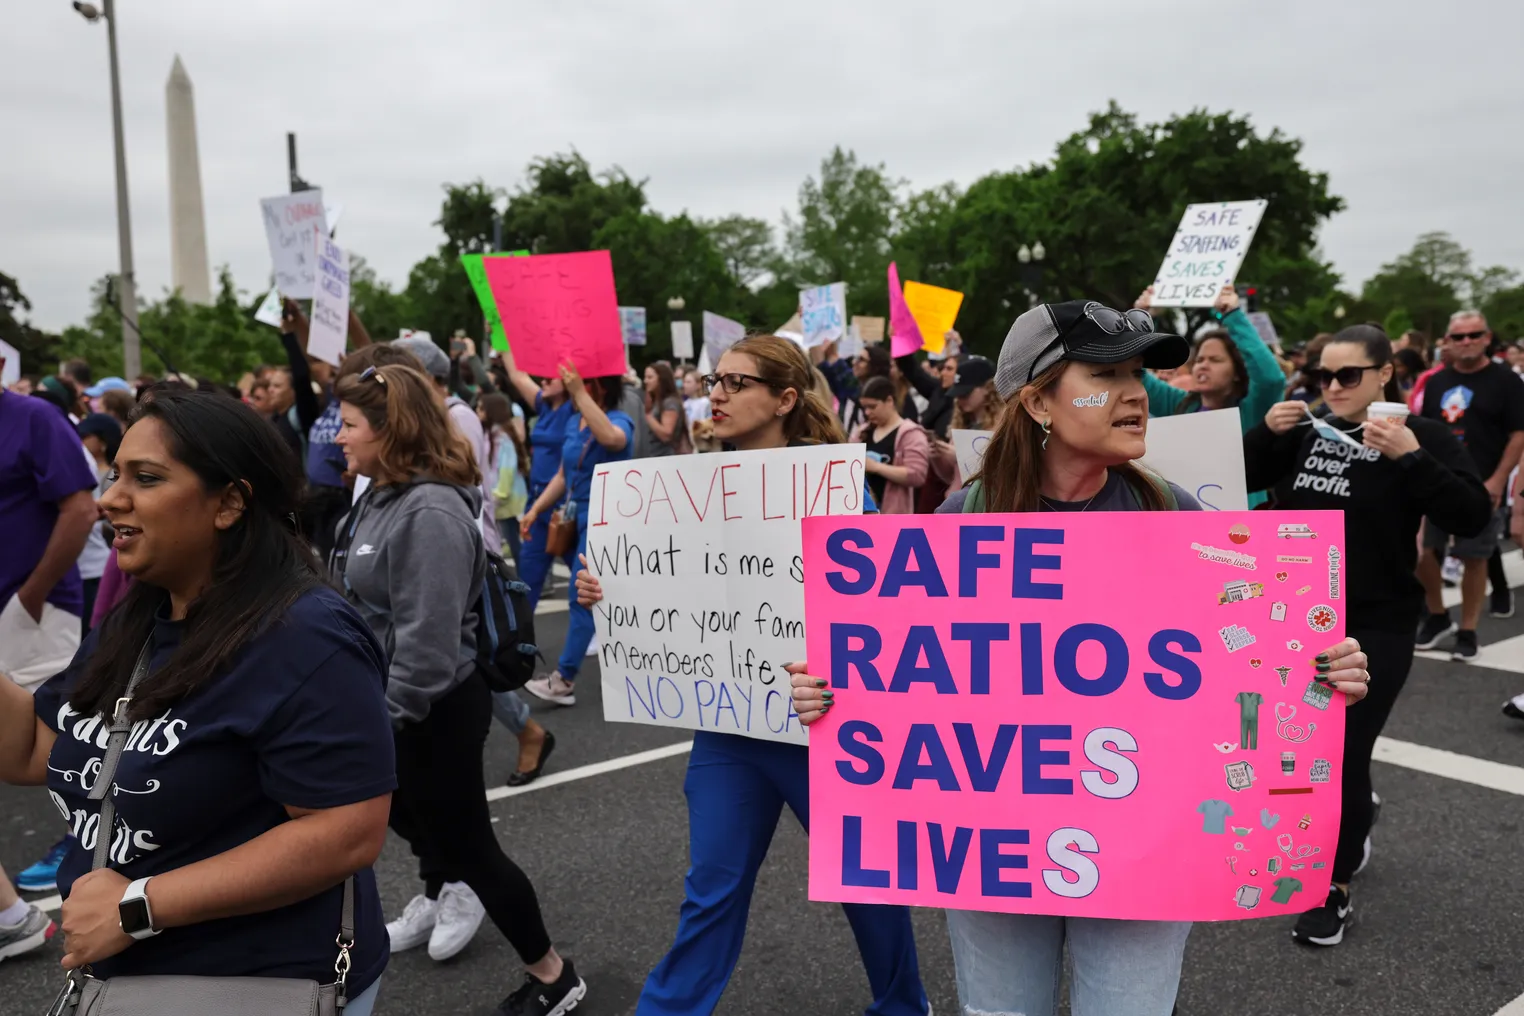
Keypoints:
(434, 360)
(1082, 330)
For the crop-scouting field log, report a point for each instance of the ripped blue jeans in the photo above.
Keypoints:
(1011, 964)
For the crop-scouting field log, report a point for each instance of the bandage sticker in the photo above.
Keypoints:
(1240, 775)
(1221, 556)
(1097, 400)
(1322, 618)
(1320, 771)
(1238, 591)
(1334, 560)
(1235, 637)
(1278, 610)
(1304, 591)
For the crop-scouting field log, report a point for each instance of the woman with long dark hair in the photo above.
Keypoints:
(762, 395)
(664, 411)
(1385, 470)
(253, 790)
(410, 558)
(1060, 446)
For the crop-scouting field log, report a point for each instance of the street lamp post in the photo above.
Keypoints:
(1031, 259)
(127, 293)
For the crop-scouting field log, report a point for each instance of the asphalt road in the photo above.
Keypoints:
(1438, 929)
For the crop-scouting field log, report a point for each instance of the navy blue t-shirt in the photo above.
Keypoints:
(300, 719)
(545, 441)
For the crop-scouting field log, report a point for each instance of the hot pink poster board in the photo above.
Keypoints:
(1107, 715)
(905, 337)
(559, 308)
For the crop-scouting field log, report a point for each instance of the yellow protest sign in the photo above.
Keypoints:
(935, 310)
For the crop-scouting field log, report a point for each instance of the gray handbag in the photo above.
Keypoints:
(183, 995)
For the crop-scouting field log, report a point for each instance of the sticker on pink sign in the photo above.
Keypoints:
(559, 308)
(1014, 732)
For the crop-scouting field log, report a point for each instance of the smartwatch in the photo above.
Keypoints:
(135, 914)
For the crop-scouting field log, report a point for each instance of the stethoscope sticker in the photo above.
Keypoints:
(1285, 712)
(1291, 850)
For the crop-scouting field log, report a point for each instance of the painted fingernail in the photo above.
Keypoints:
(829, 696)
(825, 709)
(821, 682)
(1323, 668)
(1322, 679)
(1320, 658)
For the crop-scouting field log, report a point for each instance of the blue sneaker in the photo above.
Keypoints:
(43, 875)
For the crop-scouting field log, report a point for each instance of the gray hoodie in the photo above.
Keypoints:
(414, 570)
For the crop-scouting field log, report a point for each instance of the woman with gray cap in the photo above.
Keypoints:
(1072, 424)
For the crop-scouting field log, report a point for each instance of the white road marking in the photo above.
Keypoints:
(593, 769)
(1507, 654)
(1514, 1008)
(1478, 772)
(1513, 568)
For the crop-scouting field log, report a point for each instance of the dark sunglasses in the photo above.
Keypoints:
(1466, 335)
(371, 372)
(732, 383)
(1347, 377)
(1116, 322)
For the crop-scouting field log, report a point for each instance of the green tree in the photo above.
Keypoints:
(843, 232)
(39, 350)
(383, 311)
(746, 246)
(1505, 313)
(1428, 282)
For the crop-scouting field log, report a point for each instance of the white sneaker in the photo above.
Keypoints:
(460, 914)
(412, 929)
(552, 688)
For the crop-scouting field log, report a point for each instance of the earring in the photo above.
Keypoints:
(1045, 433)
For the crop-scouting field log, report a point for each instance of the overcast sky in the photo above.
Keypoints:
(1412, 107)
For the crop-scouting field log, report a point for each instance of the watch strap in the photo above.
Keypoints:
(137, 891)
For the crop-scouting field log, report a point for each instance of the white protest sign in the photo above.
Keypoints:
(10, 372)
(823, 313)
(703, 584)
(850, 344)
(632, 325)
(1202, 453)
(720, 333)
(1266, 329)
(289, 221)
(969, 445)
(330, 301)
(682, 340)
(332, 213)
(268, 312)
(1206, 253)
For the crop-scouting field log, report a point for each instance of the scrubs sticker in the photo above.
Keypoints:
(1236, 637)
(1333, 572)
(1294, 646)
(1238, 591)
(1097, 400)
(1322, 618)
(1292, 559)
(1239, 534)
(1320, 771)
(1295, 531)
(1285, 712)
(1247, 896)
(1317, 695)
(1283, 673)
(1221, 556)
(1240, 775)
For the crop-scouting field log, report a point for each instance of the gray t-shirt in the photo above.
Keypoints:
(1114, 497)
(658, 448)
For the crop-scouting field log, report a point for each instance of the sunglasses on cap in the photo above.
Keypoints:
(1347, 377)
(1113, 322)
(1462, 336)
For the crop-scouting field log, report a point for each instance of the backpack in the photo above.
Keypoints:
(505, 646)
(974, 502)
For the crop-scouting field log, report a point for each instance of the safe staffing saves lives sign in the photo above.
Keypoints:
(1090, 715)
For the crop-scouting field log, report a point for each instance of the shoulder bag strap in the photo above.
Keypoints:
(973, 502)
(104, 779)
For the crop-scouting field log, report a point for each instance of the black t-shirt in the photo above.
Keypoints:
(883, 449)
(1482, 409)
(300, 719)
(1383, 501)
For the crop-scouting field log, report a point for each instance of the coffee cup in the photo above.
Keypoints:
(1387, 411)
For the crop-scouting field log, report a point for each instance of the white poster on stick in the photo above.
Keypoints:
(720, 333)
(330, 301)
(703, 585)
(682, 340)
(1202, 453)
(289, 221)
(1208, 250)
(823, 313)
(10, 370)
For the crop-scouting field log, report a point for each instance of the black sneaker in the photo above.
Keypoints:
(1464, 650)
(1434, 628)
(536, 998)
(1502, 603)
(1325, 925)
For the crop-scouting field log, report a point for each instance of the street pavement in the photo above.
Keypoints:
(1438, 928)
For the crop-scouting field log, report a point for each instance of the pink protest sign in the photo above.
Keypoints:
(905, 337)
(1094, 715)
(559, 308)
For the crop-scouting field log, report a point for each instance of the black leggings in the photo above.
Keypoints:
(440, 808)
(1391, 657)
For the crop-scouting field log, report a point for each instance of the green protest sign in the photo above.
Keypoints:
(478, 276)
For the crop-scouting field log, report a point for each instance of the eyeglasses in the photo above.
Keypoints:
(1116, 322)
(372, 372)
(1347, 377)
(1463, 336)
(733, 383)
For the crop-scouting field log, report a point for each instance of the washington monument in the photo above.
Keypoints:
(187, 219)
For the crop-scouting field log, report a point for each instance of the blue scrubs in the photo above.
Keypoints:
(545, 442)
